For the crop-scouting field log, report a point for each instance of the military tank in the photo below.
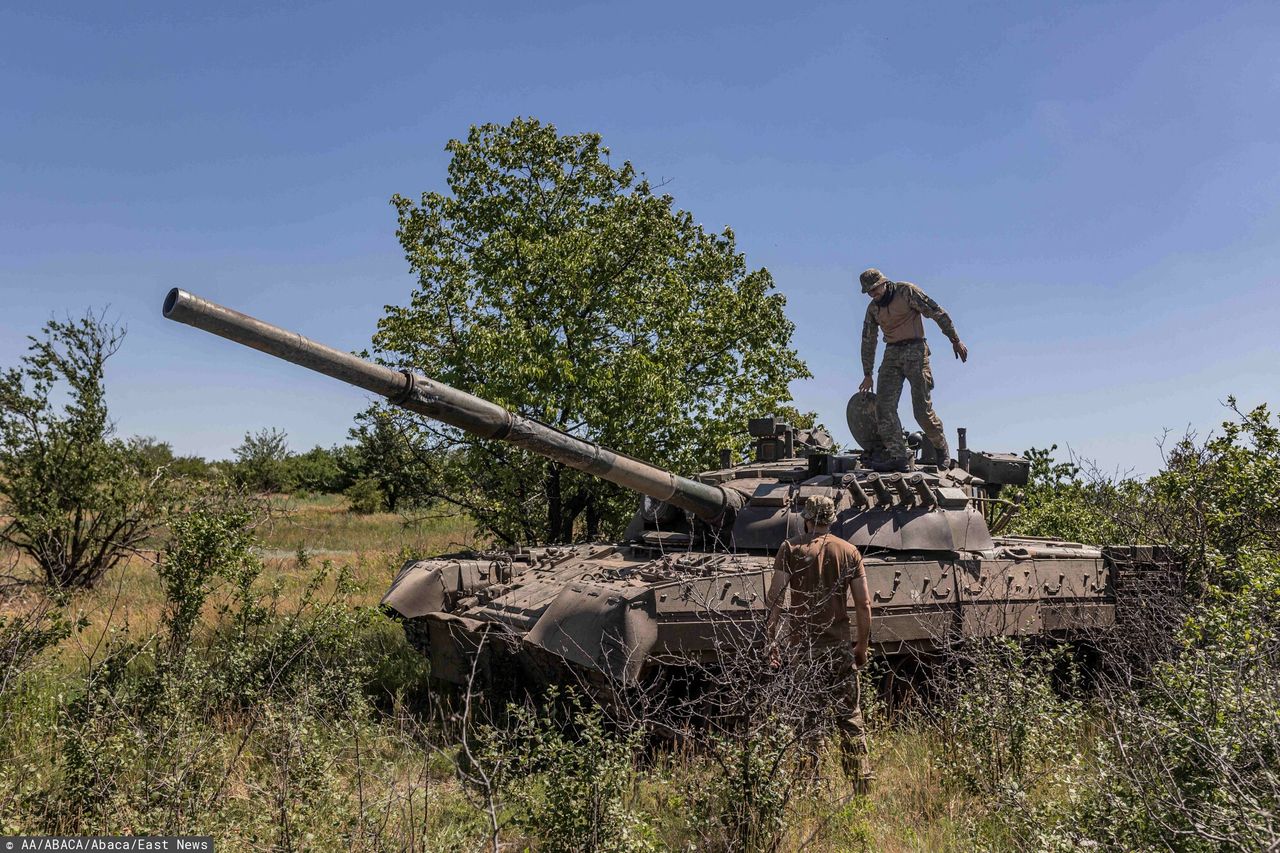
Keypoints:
(698, 554)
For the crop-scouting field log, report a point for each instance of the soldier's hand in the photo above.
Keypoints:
(860, 655)
(961, 351)
(866, 385)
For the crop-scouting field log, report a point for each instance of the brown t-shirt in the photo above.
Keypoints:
(819, 569)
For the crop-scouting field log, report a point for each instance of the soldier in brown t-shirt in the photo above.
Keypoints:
(818, 568)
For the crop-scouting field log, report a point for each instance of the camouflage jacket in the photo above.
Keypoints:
(918, 301)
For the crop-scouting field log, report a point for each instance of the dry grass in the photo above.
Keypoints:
(910, 807)
(131, 600)
(322, 526)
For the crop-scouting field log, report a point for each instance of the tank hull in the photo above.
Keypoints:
(617, 611)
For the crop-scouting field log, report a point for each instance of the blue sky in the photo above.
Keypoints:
(1091, 190)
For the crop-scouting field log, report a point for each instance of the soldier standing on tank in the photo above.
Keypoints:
(896, 310)
(820, 570)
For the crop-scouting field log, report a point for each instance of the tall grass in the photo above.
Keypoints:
(293, 716)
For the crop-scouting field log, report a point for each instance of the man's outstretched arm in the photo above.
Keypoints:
(920, 301)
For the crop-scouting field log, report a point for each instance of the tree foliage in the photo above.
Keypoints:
(262, 460)
(1219, 499)
(570, 291)
(1058, 501)
(78, 500)
(1190, 761)
(322, 469)
(1187, 759)
(1214, 500)
(389, 460)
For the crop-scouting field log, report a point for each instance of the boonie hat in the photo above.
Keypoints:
(819, 509)
(870, 278)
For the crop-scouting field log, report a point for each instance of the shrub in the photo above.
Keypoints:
(1220, 498)
(365, 497)
(1059, 501)
(739, 798)
(1192, 759)
(1003, 723)
(566, 780)
(1009, 738)
(321, 470)
(24, 636)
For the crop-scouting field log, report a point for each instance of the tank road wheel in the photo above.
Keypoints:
(417, 635)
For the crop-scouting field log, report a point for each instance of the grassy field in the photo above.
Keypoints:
(240, 682)
(372, 775)
(372, 547)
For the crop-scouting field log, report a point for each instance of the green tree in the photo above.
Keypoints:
(77, 500)
(152, 454)
(389, 458)
(262, 460)
(321, 469)
(566, 289)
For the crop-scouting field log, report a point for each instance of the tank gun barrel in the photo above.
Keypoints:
(425, 396)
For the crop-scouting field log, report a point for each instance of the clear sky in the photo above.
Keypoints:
(1092, 190)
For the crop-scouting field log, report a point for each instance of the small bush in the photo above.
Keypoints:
(738, 798)
(365, 496)
(1059, 501)
(1195, 755)
(1003, 722)
(565, 781)
(262, 461)
(24, 636)
(1010, 739)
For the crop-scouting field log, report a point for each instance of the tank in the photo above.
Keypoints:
(698, 554)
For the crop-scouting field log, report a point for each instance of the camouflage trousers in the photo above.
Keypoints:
(909, 362)
(843, 689)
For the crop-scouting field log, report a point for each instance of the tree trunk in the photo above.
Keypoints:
(593, 517)
(571, 512)
(555, 512)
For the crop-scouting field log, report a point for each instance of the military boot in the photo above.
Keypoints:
(943, 457)
(858, 772)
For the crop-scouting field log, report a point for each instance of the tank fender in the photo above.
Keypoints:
(599, 627)
(432, 586)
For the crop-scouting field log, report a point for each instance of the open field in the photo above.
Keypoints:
(284, 710)
(372, 547)
(375, 760)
